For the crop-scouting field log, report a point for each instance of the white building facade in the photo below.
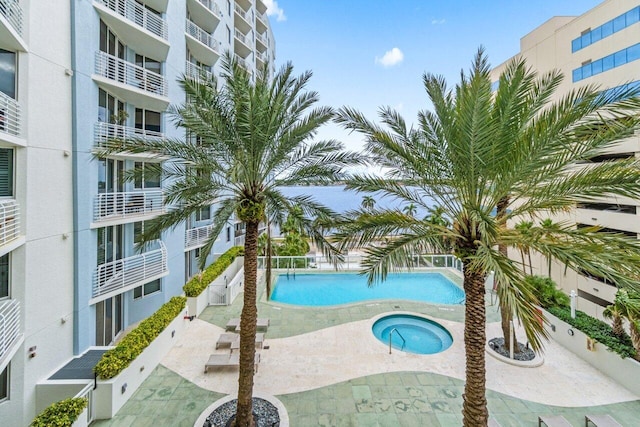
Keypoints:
(600, 47)
(71, 278)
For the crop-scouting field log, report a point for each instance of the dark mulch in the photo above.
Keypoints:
(525, 354)
(264, 413)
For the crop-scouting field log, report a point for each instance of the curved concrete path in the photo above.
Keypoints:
(348, 351)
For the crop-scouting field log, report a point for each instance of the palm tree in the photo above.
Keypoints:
(524, 227)
(549, 227)
(253, 137)
(368, 203)
(456, 156)
(620, 309)
(410, 209)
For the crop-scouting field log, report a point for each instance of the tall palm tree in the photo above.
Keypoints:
(368, 203)
(410, 209)
(253, 137)
(456, 157)
(621, 308)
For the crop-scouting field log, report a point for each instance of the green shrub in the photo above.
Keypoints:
(61, 414)
(199, 283)
(547, 292)
(595, 329)
(115, 360)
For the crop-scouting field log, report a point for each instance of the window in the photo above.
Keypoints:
(8, 73)
(4, 384)
(147, 289)
(228, 234)
(203, 214)
(196, 253)
(617, 59)
(228, 8)
(228, 34)
(619, 23)
(4, 277)
(150, 177)
(6, 172)
(148, 120)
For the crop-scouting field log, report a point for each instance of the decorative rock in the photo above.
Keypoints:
(264, 413)
(525, 354)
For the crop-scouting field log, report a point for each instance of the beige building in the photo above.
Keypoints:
(601, 47)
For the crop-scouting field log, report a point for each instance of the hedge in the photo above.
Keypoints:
(115, 360)
(199, 283)
(595, 329)
(61, 414)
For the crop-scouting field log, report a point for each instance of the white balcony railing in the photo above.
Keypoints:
(262, 38)
(109, 135)
(9, 325)
(212, 6)
(9, 221)
(243, 13)
(135, 270)
(196, 72)
(244, 39)
(242, 62)
(262, 57)
(262, 17)
(12, 12)
(110, 206)
(9, 115)
(202, 36)
(124, 72)
(197, 237)
(139, 15)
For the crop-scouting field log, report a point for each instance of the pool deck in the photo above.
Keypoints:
(328, 369)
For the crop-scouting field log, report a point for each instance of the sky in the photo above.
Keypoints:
(371, 53)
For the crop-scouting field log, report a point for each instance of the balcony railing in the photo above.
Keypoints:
(242, 62)
(244, 39)
(12, 12)
(262, 57)
(9, 324)
(262, 38)
(262, 17)
(197, 237)
(9, 221)
(109, 135)
(243, 13)
(202, 36)
(139, 15)
(135, 270)
(196, 72)
(9, 115)
(124, 72)
(212, 6)
(111, 206)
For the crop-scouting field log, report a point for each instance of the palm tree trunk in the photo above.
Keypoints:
(474, 407)
(248, 322)
(635, 336)
(617, 326)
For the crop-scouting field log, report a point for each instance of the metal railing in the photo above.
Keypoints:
(262, 57)
(196, 72)
(87, 392)
(240, 36)
(134, 270)
(125, 72)
(109, 206)
(197, 237)
(109, 135)
(9, 324)
(242, 62)
(243, 13)
(9, 115)
(9, 220)
(263, 38)
(212, 6)
(12, 12)
(202, 36)
(139, 15)
(262, 17)
(401, 337)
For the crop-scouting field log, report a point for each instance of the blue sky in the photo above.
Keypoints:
(344, 43)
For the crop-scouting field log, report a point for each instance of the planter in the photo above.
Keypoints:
(196, 305)
(625, 371)
(82, 419)
(111, 394)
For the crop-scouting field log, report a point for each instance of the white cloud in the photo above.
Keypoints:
(274, 9)
(438, 21)
(390, 58)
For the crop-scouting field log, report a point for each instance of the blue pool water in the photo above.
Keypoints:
(421, 336)
(322, 289)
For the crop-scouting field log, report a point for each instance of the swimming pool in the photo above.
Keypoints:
(412, 334)
(323, 289)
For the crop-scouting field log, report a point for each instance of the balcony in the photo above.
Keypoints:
(123, 207)
(205, 14)
(131, 83)
(119, 276)
(242, 19)
(139, 28)
(610, 218)
(197, 237)
(242, 45)
(261, 6)
(243, 63)
(245, 4)
(11, 26)
(10, 336)
(202, 44)
(262, 22)
(261, 60)
(9, 225)
(10, 116)
(109, 135)
(196, 72)
(262, 42)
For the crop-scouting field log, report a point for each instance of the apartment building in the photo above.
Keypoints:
(71, 276)
(601, 47)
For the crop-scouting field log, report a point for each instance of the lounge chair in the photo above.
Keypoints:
(227, 360)
(600, 420)
(226, 339)
(259, 342)
(234, 324)
(553, 421)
